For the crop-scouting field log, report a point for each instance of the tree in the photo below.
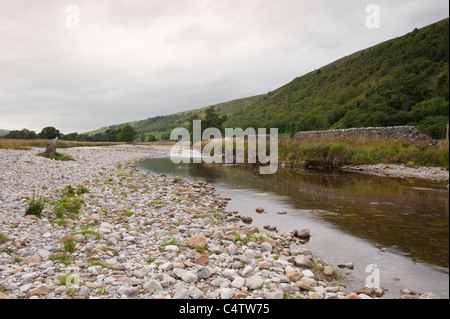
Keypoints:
(71, 137)
(49, 133)
(212, 120)
(127, 134)
(111, 135)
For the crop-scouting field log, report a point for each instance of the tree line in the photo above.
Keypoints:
(126, 134)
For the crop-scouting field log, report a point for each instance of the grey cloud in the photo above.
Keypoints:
(134, 59)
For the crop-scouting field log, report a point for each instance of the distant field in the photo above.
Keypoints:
(28, 144)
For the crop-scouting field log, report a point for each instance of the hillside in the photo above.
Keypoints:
(404, 81)
(3, 132)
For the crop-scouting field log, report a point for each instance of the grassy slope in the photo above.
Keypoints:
(378, 86)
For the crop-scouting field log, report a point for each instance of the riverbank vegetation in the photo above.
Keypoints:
(339, 152)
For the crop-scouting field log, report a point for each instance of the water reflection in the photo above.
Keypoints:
(409, 216)
(351, 217)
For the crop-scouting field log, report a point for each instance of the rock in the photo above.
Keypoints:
(238, 282)
(366, 290)
(327, 271)
(60, 290)
(293, 276)
(264, 266)
(79, 238)
(197, 241)
(172, 248)
(316, 295)
(204, 273)
(266, 247)
(226, 293)
(189, 277)
(379, 292)
(352, 295)
(304, 286)
(36, 259)
(274, 295)
(181, 294)
(309, 281)
(4, 296)
(240, 295)
(44, 253)
(248, 271)
(287, 288)
(304, 233)
(254, 282)
(128, 291)
(229, 274)
(260, 210)
(247, 258)
(152, 286)
(407, 291)
(84, 291)
(350, 266)
(429, 295)
(202, 260)
(247, 219)
(166, 266)
(303, 261)
(42, 290)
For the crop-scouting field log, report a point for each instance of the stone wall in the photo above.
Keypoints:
(392, 133)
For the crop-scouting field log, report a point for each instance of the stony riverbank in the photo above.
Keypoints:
(109, 231)
(437, 174)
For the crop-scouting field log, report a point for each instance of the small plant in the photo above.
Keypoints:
(3, 238)
(177, 180)
(62, 258)
(89, 231)
(59, 157)
(172, 242)
(35, 206)
(155, 203)
(82, 190)
(66, 206)
(69, 246)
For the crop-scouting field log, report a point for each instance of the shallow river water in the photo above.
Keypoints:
(400, 225)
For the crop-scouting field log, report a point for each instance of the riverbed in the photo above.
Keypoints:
(400, 225)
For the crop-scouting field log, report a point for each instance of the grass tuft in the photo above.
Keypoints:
(35, 206)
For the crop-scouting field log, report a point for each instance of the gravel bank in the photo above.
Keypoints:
(136, 235)
(402, 171)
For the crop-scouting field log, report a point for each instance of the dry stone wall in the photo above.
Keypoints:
(392, 133)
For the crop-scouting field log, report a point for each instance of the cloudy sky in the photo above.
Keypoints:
(80, 65)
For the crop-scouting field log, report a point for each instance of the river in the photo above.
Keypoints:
(400, 225)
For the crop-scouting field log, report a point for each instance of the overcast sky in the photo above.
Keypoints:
(80, 65)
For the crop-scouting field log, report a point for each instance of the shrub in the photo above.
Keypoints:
(35, 206)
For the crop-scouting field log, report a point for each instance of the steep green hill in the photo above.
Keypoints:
(404, 81)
